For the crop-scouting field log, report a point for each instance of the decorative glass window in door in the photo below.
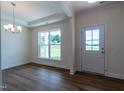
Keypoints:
(92, 40)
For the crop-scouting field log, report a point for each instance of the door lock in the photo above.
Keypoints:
(102, 51)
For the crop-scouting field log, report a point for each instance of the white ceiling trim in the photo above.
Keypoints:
(67, 8)
(47, 20)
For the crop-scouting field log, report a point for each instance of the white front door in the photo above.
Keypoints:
(93, 49)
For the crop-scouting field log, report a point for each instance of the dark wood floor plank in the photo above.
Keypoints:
(35, 77)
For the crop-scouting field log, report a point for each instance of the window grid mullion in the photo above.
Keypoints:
(49, 45)
(55, 44)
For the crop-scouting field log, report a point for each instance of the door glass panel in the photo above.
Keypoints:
(88, 48)
(95, 48)
(95, 43)
(95, 34)
(88, 35)
(92, 40)
(88, 43)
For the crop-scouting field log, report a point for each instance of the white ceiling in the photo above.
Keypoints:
(29, 11)
(32, 10)
(84, 5)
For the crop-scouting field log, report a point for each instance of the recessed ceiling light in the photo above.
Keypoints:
(91, 1)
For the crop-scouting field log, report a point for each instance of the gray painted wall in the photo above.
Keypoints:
(0, 54)
(15, 47)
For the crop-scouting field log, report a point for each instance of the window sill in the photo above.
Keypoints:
(50, 59)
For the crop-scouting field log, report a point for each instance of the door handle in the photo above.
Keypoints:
(102, 51)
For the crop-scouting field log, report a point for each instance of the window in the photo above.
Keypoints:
(92, 40)
(50, 44)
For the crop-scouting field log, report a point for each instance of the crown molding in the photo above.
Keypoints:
(48, 20)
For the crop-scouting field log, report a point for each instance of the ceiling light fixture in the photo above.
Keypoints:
(91, 1)
(12, 27)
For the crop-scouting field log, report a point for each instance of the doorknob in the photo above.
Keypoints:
(102, 51)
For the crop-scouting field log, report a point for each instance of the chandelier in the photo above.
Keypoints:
(12, 27)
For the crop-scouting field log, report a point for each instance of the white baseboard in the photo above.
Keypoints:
(113, 75)
(47, 63)
(5, 68)
(72, 72)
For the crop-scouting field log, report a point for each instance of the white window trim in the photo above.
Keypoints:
(51, 59)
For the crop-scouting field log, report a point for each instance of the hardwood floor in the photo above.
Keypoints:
(35, 77)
